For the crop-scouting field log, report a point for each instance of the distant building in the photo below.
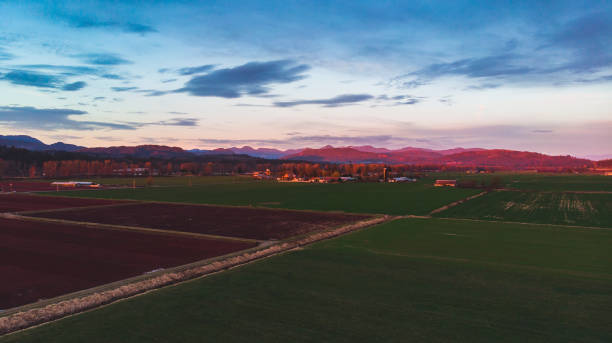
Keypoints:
(75, 184)
(402, 179)
(347, 179)
(445, 183)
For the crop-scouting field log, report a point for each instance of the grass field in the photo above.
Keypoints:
(538, 182)
(585, 209)
(410, 280)
(389, 198)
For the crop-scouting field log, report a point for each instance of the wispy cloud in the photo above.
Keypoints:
(75, 86)
(5, 56)
(103, 59)
(81, 20)
(30, 78)
(195, 70)
(185, 122)
(397, 100)
(253, 78)
(340, 100)
(51, 119)
(576, 48)
(124, 89)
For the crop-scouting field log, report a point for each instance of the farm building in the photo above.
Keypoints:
(402, 179)
(445, 183)
(75, 184)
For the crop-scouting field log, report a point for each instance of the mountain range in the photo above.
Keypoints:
(355, 154)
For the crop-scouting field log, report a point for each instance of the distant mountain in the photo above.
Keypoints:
(331, 154)
(22, 141)
(60, 146)
(369, 148)
(31, 143)
(464, 157)
(457, 150)
(264, 152)
(247, 150)
(356, 154)
(513, 159)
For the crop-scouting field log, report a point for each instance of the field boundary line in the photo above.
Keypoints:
(527, 223)
(28, 212)
(455, 203)
(224, 205)
(54, 309)
(124, 228)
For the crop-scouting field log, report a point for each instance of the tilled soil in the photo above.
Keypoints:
(14, 202)
(253, 223)
(44, 260)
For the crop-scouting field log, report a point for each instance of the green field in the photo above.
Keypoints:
(537, 182)
(390, 198)
(585, 209)
(411, 280)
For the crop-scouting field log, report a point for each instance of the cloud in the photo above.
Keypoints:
(178, 122)
(185, 122)
(588, 38)
(497, 65)
(542, 131)
(5, 56)
(65, 70)
(112, 76)
(64, 137)
(195, 70)
(83, 21)
(51, 119)
(75, 86)
(483, 86)
(124, 89)
(252, 78)
(340, 100)
(103, 59)
(397, 100)
(30, 78)
(62, 71)
(573, 49)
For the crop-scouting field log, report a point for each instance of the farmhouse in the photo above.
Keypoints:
(445, 183)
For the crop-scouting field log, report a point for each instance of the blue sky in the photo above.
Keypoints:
(527, 75)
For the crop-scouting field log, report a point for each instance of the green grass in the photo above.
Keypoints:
(538, 182)
(586, 209)
(410, 280)
(406, 198)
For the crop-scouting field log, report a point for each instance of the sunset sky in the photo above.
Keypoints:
(525, 75)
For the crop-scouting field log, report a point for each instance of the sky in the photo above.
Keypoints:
(524, 75)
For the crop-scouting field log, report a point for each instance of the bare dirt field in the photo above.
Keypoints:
(25, 186)
(44, 260)
(23, 202)
(242, 222)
